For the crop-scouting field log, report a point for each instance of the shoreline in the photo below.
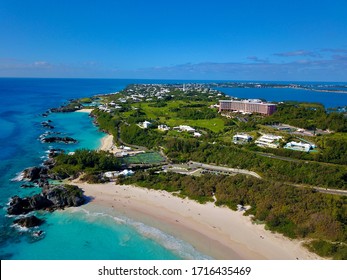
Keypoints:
(214, 231)
(106, 143)
(84, 111)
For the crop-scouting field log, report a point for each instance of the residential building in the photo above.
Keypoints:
(241, 138)
(186, 128)
(163, 127)
(145, 124)
(299, 146)
(269, 141)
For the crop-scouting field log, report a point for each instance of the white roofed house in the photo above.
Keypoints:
(163, 127)
(241, 138)
(186, 128)
(299, 146)
(269, 141)
(145, 124)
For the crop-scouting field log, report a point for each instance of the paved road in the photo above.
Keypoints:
(222, 169)
(279, 157)
(247, 172)
(322, 190)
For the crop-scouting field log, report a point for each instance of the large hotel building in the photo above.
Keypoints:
(247, 106)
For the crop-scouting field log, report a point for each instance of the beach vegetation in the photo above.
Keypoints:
(86, 100)
(73, 190)
(328, 249)
(84, 161)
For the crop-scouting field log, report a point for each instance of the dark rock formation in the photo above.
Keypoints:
(51, 198)
(54, 152)
(25, 205)
(56, 139)
(47, 124)
(73, 106)
(43, 183)
(49, 163)
(26, 186)
(28, 222)
(34, 173)
(65, 196)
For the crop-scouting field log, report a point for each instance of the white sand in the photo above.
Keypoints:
(84, 111)
(106, 143)
(215, 231)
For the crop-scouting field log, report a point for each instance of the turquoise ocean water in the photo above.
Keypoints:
(81, 233)
(85, 232)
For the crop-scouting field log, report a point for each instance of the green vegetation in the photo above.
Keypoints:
(144, 158)
(92, 163)
(86, 100)
(309, 116)
(73, 191)
(317, 174)
(135, 135)
(107, 122)
(328, 249)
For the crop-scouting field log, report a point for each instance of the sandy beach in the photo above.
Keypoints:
(106, 143)
(215, 231)
(84, 111)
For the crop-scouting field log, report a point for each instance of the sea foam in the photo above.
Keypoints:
(177, 246)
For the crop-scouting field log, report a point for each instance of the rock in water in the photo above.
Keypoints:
(19, 206)
(34, 173)
(28, 222)
(56, 139)
(51, 198)
(26, 186)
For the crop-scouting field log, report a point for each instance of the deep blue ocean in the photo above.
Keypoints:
(78, 233)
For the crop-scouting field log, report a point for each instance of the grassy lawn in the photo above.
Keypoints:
(149, 158)
(159, 112)
(215, 125)
(172, 119)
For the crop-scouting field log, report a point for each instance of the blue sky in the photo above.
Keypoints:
(284, 40)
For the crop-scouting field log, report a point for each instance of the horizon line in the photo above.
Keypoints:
(171, 79)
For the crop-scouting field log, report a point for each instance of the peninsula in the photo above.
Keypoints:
(233, 176)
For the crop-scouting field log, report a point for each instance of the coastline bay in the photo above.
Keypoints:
(27, 150)
(21, 116)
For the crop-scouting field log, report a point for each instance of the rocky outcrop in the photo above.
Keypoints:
(65, 196)
(27, 186)
(51, 198)
(56, 139)
(19, 206)
(29, 222)
(54, 152)
(35, 173)
(73, 106)
(47, 124)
